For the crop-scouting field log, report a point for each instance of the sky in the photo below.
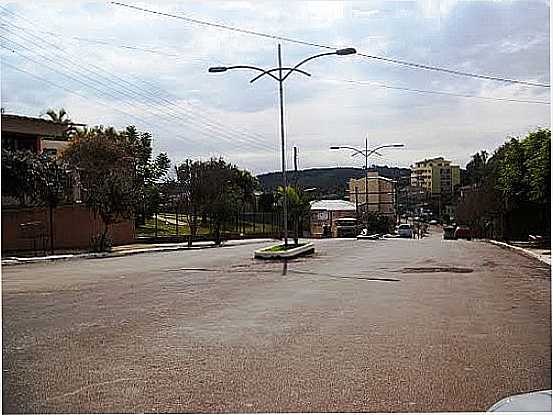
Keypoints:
(113, 65)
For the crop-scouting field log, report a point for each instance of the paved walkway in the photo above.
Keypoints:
(544, 255)
(132, 249)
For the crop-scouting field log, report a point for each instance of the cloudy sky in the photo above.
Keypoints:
(112, 65)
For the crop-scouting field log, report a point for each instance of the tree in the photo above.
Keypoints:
(60, 116)
(298, 207)
(476, 168)
(511, 191)
(223, 198)
(191, 191)
(18, 175)
(148, 171)
(104, 163)
(36, 180)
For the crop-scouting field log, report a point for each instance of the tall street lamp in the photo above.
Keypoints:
(366, 152)
(280, 78)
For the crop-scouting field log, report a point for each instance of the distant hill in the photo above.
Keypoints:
(330, 182)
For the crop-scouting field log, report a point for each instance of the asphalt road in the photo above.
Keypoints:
(396, 325)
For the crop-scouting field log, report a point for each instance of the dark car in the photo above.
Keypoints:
(463, 232)
(449, 232)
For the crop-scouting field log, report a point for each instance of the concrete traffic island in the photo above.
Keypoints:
(278, 251)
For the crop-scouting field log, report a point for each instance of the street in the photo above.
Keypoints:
(361, 326)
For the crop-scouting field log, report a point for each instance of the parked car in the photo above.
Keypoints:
(539, 401)
(433, 222)
(346, 227)
(449, 232)
(463, 232)
(405, 230)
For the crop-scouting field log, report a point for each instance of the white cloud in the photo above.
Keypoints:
(212, 111)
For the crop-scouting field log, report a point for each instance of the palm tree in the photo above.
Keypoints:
(58, 116)
(62, 117)
(298, 206)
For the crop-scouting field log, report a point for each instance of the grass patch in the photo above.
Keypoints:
(282, 248)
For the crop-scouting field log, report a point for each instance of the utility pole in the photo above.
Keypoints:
(296, 164)
(297, 218)
(357, 205)
(367, 182)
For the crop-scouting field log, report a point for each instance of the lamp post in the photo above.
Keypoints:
(280, 79)
(366, 152)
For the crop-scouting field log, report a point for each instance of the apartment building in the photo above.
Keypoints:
(380, 194)
(436, 176)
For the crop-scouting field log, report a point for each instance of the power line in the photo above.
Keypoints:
(220, 130)
(426, 91)
(87, 98)
(71, 91)
(225, 131)
(318, 45)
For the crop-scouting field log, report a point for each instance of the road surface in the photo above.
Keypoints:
(362, 326)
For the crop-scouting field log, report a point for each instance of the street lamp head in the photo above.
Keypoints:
(335, 147)
(215, 69)
(346, 51)
(398, 145)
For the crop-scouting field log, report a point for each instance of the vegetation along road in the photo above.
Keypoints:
(392, 325)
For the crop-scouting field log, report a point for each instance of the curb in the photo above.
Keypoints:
(520, 250)
(308, 248)
(94, 255)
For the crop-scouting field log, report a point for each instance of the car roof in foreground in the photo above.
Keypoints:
(527, 402)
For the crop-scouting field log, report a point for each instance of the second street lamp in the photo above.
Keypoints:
(366, 153)
(280, 78)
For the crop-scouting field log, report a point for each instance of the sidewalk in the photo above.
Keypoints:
(543, 255)
(133, 249)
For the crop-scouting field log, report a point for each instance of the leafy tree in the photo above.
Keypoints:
(148, 171)
(223, 197)
(512, 196)
(298, 207)
(537, 149)
(191, 191)
(103, 161)
(476, 168)
(18, 175)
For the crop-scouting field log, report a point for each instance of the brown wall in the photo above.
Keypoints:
(74, 227)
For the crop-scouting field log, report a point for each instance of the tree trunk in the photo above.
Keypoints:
(51, 209)
(103, 237)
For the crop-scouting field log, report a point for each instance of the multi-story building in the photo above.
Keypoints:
(380, 194)
(436, 176)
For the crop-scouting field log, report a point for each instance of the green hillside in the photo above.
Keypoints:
(330, 182)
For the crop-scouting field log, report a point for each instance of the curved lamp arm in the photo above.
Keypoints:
(374, 150)
(357, 151)
(363, 153)
(307, 60)
(255, 68)
(276, 69)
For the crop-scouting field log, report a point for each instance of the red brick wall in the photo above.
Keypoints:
(74, 227)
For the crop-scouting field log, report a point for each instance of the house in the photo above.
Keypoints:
(379, 196)
(323, 214)
(68, 226)
(34, 134)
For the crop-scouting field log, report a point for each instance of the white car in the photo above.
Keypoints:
(405, 230)
(527, 402)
